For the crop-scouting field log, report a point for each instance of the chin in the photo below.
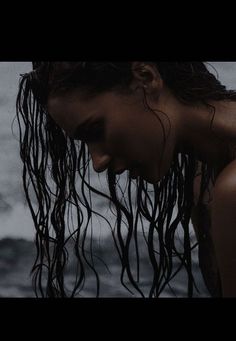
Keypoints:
(153, 180)
(154, 177)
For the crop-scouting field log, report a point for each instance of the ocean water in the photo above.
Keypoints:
(16, 229)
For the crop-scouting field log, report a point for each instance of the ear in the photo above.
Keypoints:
(147, 77)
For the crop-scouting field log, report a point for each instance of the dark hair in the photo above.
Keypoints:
(52, 161)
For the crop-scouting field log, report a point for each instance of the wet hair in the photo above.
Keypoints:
(56, 180)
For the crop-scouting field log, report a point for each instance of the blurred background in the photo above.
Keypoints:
(16, 228)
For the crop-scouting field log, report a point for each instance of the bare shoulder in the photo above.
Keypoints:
(225, 186)
(224, 195)
(223, 218)
(226, 119)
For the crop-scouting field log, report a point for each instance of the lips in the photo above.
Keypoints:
(120, 171)
(134, 172)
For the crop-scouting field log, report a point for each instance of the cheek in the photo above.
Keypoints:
(134, 139)
(130, 144)
(118, 142)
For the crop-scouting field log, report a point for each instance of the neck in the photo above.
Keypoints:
(199, 136)
(195, 132)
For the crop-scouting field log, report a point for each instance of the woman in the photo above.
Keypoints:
(172, 126)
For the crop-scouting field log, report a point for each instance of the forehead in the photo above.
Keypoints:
(75, 98)
(77, 102)
(57, 103)
(74, 108)
(68, 110)
(69, 104)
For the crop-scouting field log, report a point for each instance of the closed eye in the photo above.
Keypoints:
(92, 133)
(95, 132)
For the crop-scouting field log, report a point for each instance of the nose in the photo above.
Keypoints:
(100, 160)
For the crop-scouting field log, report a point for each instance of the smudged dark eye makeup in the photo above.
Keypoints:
(95, 132)
(91, 133)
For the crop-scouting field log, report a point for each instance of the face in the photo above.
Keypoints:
(119, 132)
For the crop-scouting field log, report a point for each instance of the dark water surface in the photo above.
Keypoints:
(17, 256)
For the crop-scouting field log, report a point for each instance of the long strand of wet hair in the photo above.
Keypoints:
(54, 259)
(43, 142)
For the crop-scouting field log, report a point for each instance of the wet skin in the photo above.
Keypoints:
(123, 134)
(120, 133)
